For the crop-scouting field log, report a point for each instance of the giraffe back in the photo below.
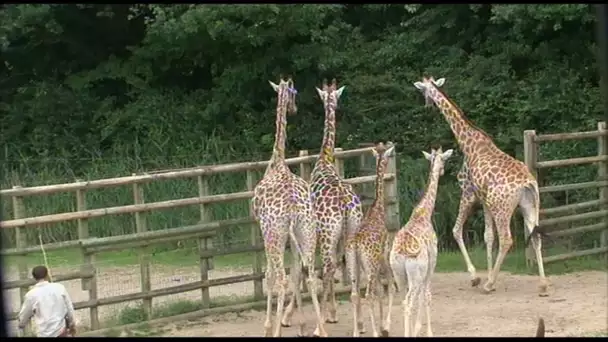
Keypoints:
(281, 194)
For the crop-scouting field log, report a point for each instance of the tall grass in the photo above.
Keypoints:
(412, 175)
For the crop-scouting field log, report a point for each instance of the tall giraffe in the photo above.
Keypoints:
(491, 176)
(282, 207)
(368, 248)
(336, 206)
(413, 255)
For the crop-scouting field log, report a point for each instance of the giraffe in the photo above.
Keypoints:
(368, 247)
(336, 206)
(413, 255)
(499, 181)
(282, 207)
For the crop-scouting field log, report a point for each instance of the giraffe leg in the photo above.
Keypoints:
(353, 269)
(427, 305)
(502, 222)
(415, 269)
(529, 211)
(326, 280)
(283, 284)
(397, 284)
(379, 300)
(298, 296)
(488, 236)
(467, 200)
(295, 286)
(428, 296)
(270, 279)
(370, 299)
(312, 287)
(332, 317)
(418, 305)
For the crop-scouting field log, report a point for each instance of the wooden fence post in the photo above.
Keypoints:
(89, 285)
(21, 242)
(305, 169)
(603, 175)
(305, 172)
(144, 255)
(256, 240)
(530, 158)
(367, 167)
(204, 244)
(392, 194)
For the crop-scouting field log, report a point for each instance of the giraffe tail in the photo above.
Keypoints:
(531, 190)
(540, 330)
(292, 233)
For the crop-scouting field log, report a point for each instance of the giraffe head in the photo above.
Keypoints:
(330, 94)
(286, 93)
(382, 152)
(428, 87)
(437, 159)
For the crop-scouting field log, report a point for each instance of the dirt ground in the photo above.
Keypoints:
(577, 306)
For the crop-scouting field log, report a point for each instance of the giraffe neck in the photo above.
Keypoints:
(430, 195)
(278, 150)
(329, 133)
(470, 138)
(380, 170)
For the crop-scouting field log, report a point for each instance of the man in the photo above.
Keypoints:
(51, 306)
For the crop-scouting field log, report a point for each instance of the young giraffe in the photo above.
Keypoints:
(282, 207)
(414, 253)
(336, 206)
(491, 176)
(367, 247)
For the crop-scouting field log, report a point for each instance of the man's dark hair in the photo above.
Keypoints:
(40, 272)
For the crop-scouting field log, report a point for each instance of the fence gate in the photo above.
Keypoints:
(574, 229)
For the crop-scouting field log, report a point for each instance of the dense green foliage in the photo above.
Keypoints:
(105, 90)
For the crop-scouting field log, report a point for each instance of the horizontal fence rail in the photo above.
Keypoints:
(206, 170)
(203, 232)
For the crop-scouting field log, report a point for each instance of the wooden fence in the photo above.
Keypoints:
(598, 207)
(142, 239)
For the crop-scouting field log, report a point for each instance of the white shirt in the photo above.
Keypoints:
(50, 304)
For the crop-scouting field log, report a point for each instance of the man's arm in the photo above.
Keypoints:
(71, 317)
(26, 312)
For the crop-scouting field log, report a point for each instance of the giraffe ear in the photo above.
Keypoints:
(447, 154)
(320, 92)
(427, 155)
(419, 85)
(274, 86)
(339, 91)
(439, 82)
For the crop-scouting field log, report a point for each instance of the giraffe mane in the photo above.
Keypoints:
(462, 114)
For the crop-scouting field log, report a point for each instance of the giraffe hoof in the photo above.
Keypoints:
(475, 282)
(487, 289)
(543, 291)
(384, 333)
(285, 325)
